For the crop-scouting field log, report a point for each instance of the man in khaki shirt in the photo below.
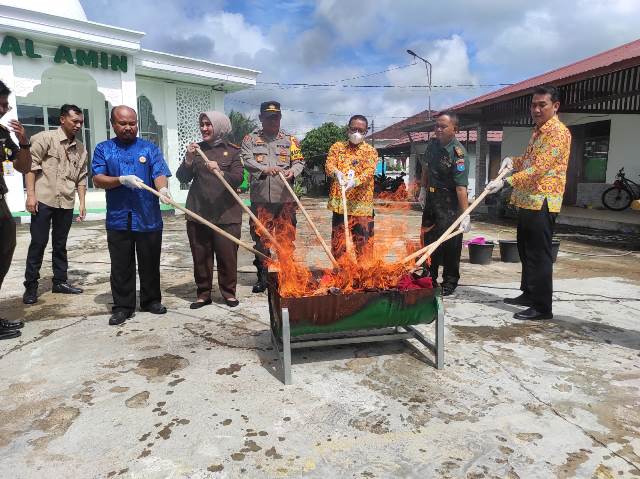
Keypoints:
(58, 170)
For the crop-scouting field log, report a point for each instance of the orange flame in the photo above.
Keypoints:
(376, 266)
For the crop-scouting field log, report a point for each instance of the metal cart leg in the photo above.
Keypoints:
(286, 347)
(440, 335)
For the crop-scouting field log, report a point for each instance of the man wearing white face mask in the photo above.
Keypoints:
(352, 164)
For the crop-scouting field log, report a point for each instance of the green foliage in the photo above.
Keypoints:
(241, 125)
(315, 145)
(298, 187)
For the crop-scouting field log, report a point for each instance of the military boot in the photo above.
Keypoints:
(261, 284)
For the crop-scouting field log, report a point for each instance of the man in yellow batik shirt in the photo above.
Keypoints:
(538, 186)
(352, 163)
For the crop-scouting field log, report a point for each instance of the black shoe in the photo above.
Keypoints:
(532, 314)
(119, 317)
(7, 324)
(231, 302)
(30, 295)
(522, 300)
(65, 288)
(155, 308)
(9, 333)
(259, 287)
(200, 304)
(448, 290)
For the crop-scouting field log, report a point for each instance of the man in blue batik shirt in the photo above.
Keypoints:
(134, 223)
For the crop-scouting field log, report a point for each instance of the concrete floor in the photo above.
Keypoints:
(197, 394)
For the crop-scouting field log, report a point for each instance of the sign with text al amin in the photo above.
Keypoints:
(64, 54)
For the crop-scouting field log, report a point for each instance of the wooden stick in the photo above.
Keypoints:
(239, 200)
(203, 221)
(453, 226)
(347, 232)
(306, 215)
(435, 244)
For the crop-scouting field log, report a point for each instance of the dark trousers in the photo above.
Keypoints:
(280, 220)
(361, 228)
(58, 220)
(7, 239)
(535, 230)
(440, 212)
(124, 247)
(208, 246)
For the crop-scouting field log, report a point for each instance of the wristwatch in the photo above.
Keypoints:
(25, 146)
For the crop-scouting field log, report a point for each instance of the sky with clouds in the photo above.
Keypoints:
(468, 42)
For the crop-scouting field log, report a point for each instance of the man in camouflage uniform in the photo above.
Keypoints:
(20, 156)
(445, 176)
(265, 153)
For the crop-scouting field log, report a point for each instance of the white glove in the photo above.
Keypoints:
(350, 180)
(422, 197)
(495, 186)
(465, 224)
(164, 191)
(339, 176)
(507, 164)
(130, 181)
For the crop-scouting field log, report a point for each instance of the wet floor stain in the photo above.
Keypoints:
(55, 424)
(138, 400)
(233, 368)
(157, 367)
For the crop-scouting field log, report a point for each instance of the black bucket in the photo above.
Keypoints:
(555, 247)
(509, 251)
(481, 253)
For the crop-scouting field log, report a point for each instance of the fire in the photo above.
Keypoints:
(375, 267)
(400, 194)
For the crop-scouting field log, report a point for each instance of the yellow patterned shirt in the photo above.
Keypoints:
(541, 172)
(362, 159)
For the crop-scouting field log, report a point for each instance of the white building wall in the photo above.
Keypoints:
(514, 140)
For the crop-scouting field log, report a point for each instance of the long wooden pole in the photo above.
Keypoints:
(432, 247)
(306, 215)
(435, 244)
(203, 221)
(347, 232)
(239, 200)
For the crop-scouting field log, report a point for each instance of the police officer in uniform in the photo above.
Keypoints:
(20, 156)
(265, 153)
(445, 172)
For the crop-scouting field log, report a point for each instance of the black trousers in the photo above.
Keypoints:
(124, 247)
(440, 211)
(7, 239)
(279, 219)
(58, 220)
(535, 230)
(361, 228)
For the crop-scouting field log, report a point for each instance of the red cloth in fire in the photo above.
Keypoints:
(409, 281)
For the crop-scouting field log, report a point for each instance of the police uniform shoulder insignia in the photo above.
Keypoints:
(247, 137)
(458, 151)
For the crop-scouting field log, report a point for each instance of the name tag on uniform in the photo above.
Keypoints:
(142, 159)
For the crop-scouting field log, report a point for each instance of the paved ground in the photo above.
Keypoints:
(197, 394)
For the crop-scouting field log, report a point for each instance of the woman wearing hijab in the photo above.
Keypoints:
(210, 199)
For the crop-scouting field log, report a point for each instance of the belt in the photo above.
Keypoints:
(433, 190)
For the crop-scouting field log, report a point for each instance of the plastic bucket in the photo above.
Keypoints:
(555, 247)
(509, 251)
(480, 253)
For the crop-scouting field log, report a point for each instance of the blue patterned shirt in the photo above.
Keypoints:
(143, 159)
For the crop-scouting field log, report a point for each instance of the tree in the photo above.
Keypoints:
(315, 145)
(241, 125)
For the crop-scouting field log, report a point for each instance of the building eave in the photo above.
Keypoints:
(179, 68)
(46, 27)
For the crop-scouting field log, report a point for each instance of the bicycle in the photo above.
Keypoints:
(621, 194)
